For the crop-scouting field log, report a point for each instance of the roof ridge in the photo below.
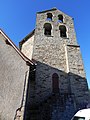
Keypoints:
(25, 39)
(16, 48)
(54, 8)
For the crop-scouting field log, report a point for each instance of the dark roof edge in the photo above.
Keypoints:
(71, 45)
(52, 10)
(25, 39)
(47, 10)
(17, 49)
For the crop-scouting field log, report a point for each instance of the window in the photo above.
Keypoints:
(55, 83)
(60, 18)
(49, 16)
(47, 29)
(62, 29)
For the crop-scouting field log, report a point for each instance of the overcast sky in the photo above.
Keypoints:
(17, 19)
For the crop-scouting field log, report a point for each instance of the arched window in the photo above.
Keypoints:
(62, 29)
(49, 16)
(47, 29)
(55, 83)
(60, 18)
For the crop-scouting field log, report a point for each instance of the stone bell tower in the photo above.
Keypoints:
(59, 76)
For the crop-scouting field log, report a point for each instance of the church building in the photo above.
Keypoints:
(45, 78)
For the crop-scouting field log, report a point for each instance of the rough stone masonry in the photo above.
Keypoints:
(59, 83)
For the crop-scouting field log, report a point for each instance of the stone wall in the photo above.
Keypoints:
(56, 54)
(13, 71)
(67, 21)
(75, 62)
(27, 47)
(41, 88)
(77, 74)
